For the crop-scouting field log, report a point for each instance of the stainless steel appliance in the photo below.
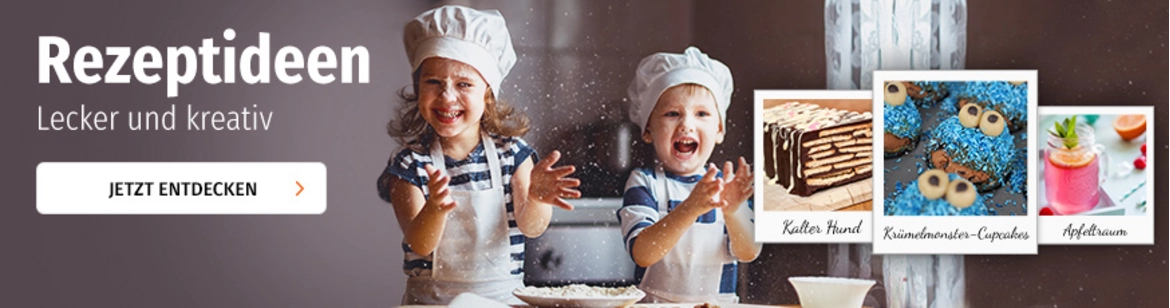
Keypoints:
(580, 246)
(577, 60)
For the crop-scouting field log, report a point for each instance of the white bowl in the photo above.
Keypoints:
(830, 292)
(552, 301)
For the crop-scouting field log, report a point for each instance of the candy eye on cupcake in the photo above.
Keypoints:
(933, 184)
(961, 193)
(991, 123)
(970, 115)
(895, 93)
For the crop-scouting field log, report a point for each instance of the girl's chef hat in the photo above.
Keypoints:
(660, 71)
(477, 38)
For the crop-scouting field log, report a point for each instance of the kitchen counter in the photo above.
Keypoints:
(589, 211)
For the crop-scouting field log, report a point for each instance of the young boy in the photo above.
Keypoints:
(686, 224)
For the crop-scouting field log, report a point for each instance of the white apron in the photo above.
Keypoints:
(693, 269)
(473, 254)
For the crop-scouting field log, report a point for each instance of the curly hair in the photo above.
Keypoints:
(412, 131)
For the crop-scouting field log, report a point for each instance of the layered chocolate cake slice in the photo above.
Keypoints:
(809, 148)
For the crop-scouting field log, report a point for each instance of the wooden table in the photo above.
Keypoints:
(864, 206)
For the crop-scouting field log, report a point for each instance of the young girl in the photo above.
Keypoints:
(685, 223)
(463, 189)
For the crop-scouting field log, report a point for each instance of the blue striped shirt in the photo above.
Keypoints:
(468, 174)
(640, 210)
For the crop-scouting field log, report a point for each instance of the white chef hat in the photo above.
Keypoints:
(660, 71)
(477, 38)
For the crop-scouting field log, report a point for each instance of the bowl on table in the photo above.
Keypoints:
(579, 296)
(830, 292)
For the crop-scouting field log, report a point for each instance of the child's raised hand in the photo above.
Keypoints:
(440, 193)
(737, 185)
(550, 185)
(707, 193)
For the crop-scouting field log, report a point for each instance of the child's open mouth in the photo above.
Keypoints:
(448, 116)
(685, 147)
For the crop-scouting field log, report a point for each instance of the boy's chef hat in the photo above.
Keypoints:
(660, 71)
(477, 38)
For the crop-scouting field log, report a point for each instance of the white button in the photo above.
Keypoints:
(180, 188)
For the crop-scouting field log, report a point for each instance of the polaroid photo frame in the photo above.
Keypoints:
(1001, 234)
(1125, 211)
(828, 215)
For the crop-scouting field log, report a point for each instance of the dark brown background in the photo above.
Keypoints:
(576, 58)
(1087, 53)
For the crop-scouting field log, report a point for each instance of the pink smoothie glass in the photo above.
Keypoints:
(1073, 176)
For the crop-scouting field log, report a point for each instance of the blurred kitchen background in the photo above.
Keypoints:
(578, 57)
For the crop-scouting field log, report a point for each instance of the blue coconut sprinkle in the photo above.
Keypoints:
(933, 91)
(950, 105)
(1010, 100)
(971, 148)
(910, 202)
(1018, 181)
(932, 86)
(1013, 203)
(956, 86)
(903, 121)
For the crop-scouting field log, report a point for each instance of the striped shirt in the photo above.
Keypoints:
(468, 174)
(640, 210)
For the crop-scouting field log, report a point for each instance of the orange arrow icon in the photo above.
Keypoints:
(300, 190)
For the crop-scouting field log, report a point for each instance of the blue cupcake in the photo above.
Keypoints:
(927, 93)
(974, 144)
(1018, 181)
(903, 123)
(1010, 99)
(936, 193)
